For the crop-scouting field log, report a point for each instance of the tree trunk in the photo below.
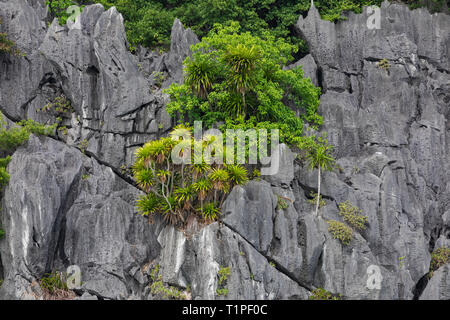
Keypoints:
(245, 105)
(318, 193)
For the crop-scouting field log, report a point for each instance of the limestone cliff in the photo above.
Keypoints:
(390, 127)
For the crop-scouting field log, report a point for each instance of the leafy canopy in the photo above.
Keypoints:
(175, 190)
(237, 79)
(149, 22)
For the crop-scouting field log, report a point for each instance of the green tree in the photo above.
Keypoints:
(319, 157)
(175, 190)
(242, 61)
(238, 79)
(199, 76)
(149, 22)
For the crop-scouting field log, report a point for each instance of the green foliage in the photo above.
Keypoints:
(384, 64)
(58, 9)
(256, 174)
(2, 233)
(352, 215)
(313, 201)
(322, 294)
(223, 275)
(53, 282)
(401, 263)
(176, 189)
(8, 46)
(334, 10)
(12, 138)
(159, 78)
(237, 174)
(149, 23)
(163, 291)
(210, 211)
(318, 153)
(439, 257)
(59, 105)
(83, 145)
(4, 175)
(237, 79)
(340, 231)
(222, 291)
(282, 203)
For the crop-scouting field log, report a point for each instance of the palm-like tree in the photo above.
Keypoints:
(220, 181)
(220, 178)
(319, 157)
(210, 211)
(202, 187)
(199, 168)
(148, 205)
(171, 211)
(145, 179)
(242, 61)
(184, 196)
(238, 175)
(199, 75)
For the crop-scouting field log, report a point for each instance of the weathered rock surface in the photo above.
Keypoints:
(63, 208)
(390, 129)
(438, 287)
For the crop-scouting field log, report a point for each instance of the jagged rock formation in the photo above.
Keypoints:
(390, 127)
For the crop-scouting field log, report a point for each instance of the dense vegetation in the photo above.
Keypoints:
(237, 79)
(191, 184)
(149, 22)
(439, 258)
(234, 80)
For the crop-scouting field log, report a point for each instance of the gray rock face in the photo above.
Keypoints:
(22, 79)
(309, 68)
(390, 131)
(438, 287)
(196, 262)
(181, 42)
(84, 216)
(116, 105)
(389, 128)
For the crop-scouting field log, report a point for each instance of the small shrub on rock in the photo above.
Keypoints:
(439, 257)
(322, 294)
(340, 231)
(352, 215)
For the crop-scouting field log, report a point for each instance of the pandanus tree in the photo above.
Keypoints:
(175, 189)
(199, 73)
(319, 157)
(220, 181)
(238, 175)
(242, 61)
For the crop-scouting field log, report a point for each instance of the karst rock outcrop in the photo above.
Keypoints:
(70, 200)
